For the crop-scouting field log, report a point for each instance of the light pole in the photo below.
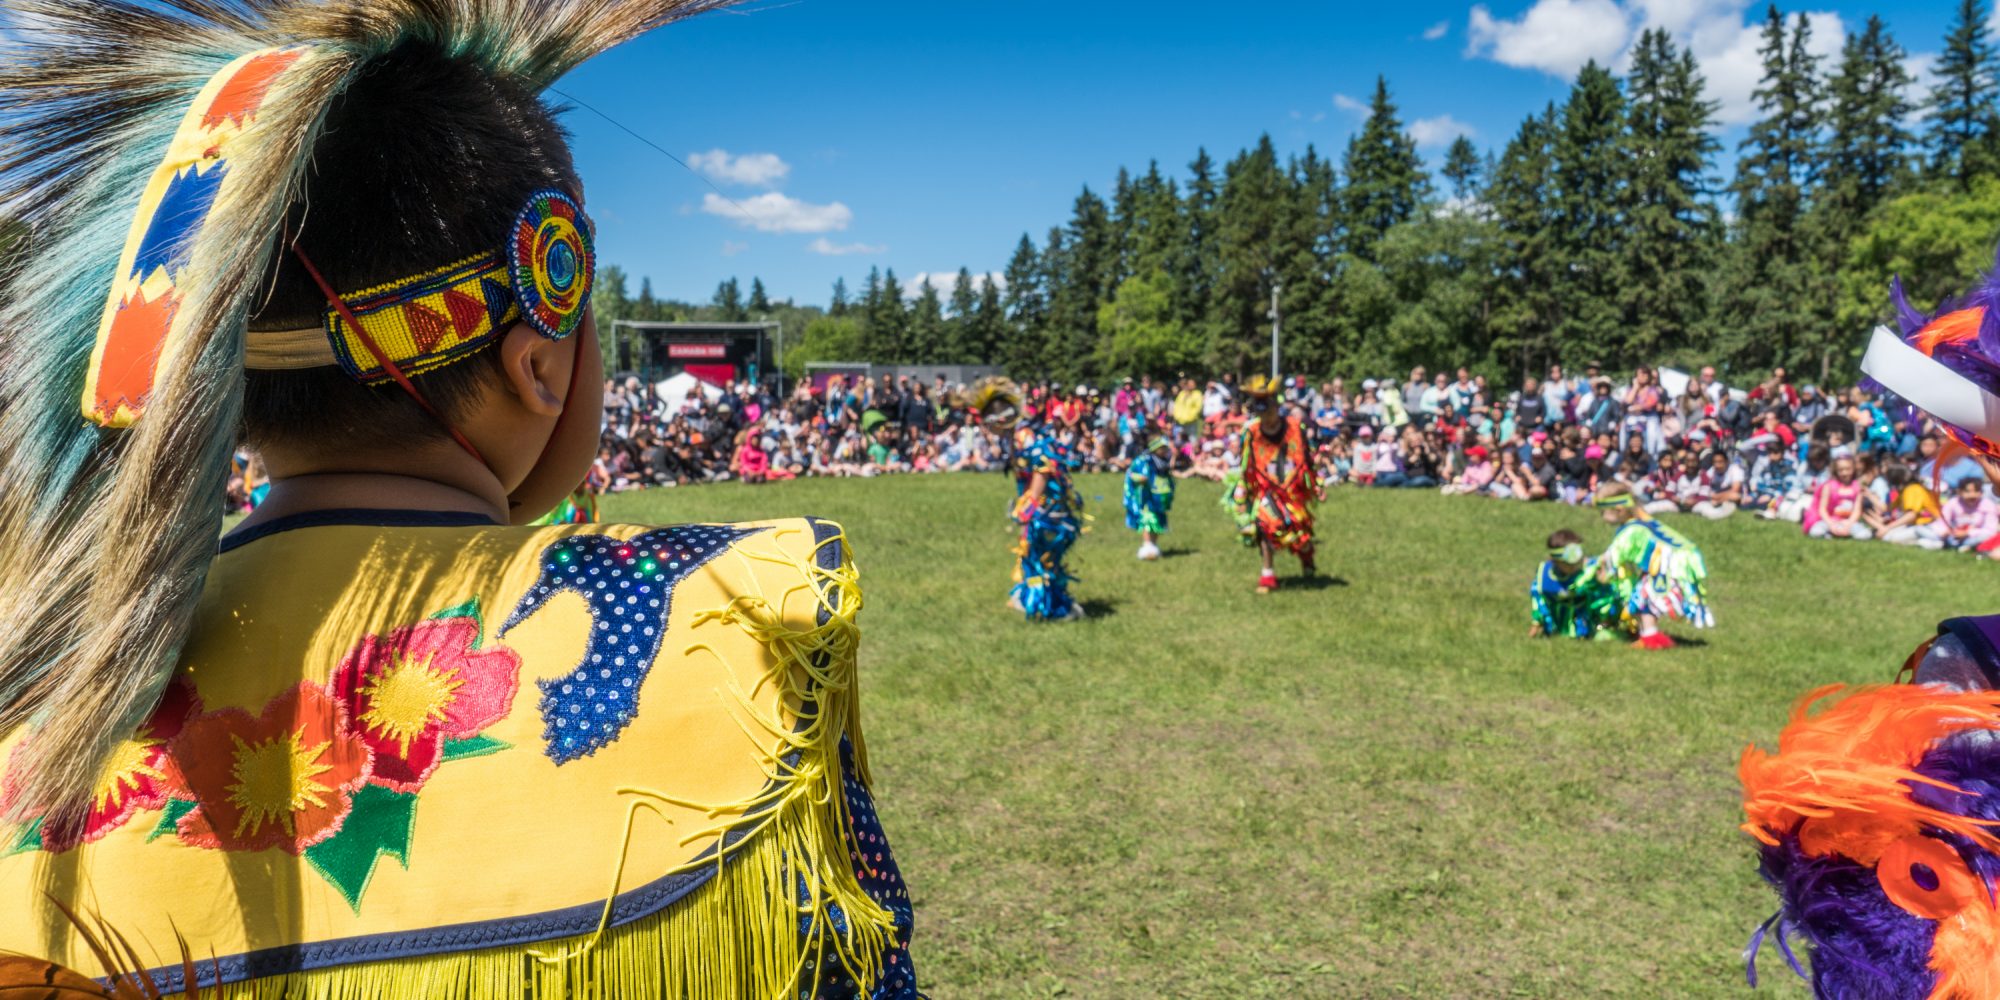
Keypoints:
(1276, 287)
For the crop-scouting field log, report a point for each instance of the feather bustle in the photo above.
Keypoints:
(106, 537)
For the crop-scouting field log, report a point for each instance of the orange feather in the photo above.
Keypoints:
(1841, 779)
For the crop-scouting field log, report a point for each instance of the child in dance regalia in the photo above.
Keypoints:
(1659, 574)
(1570, 597)
(381, 743)
(1149, 495)
(1874, 818)
(1046, 504)
(1278, 485)
(1050, 512)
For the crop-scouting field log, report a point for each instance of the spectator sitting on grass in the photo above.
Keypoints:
(1721, 486)
(1837, 505)
(1912, 516)
(1772, 479)
(1362, 463)
(1971, 520)
(1806, 483)
(1478, 474)
(1509, 481)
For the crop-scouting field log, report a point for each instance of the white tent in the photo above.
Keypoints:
(674, 392)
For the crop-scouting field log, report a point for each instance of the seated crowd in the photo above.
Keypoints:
(1851, 464)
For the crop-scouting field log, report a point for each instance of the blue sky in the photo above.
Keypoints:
(922, 137)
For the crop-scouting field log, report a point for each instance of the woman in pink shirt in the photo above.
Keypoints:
(1836, 506)
(1970, 518)
(1477, 475)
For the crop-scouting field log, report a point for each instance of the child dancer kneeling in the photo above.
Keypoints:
(1659, 574)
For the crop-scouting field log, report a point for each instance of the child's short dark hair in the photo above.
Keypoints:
(1563, 537)
(391, 196)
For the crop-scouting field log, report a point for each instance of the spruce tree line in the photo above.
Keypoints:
(1599, 232)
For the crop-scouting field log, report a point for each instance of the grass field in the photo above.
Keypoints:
(1374, 787)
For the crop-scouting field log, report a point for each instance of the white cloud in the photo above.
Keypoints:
(1437, 31)
(749, 169)
(1554, 36)
(831, 249)
(945, 281)
(1559, 36)
(772, 212)
(731, 248)
(1350, 105)
(1439, 131)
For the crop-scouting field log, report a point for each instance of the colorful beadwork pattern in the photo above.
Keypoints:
(553, 262)
(629, 586)
(329, 772)
(425, 322)
(141, 312)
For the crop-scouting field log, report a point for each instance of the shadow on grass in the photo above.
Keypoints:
(1099, 607)
(1319, 582)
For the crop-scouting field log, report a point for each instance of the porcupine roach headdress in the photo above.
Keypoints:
(202, 119)
(1947, 364)
(1878, 822)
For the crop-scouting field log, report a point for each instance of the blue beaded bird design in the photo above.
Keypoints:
(629, 586)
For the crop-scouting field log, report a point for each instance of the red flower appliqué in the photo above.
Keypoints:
(409, 691)
(280, 779)
(134, 779)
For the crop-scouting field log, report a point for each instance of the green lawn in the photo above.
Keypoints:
(1377, 787)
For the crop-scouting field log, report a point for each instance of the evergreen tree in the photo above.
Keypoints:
(1125, 223)
(1866, 159)
(728, 302)
(1768, 285)
(1088, 258)
(1867, 154)
(1524, 296)
(1307, 252)
(1386, 183)
(926, 336)
(648, 307)
(1158, 231)
(760, 303)
(960, 336)
(1668, 225)
(1194, 273)
(1463, 169)
(1962, 134)
(1026, 307)
(990, 329)
(888, 323)
(1590, 232)
(838, 306)
(1247, 252)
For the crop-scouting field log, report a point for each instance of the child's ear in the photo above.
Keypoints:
(536, 369)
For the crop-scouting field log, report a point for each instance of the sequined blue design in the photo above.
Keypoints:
(629, 586)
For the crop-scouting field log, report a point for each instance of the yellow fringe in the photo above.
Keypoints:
(738, 935)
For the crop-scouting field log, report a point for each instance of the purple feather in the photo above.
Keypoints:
(1864, 945)
(1907, 318)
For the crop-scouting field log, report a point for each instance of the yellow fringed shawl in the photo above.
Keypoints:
(357, 786)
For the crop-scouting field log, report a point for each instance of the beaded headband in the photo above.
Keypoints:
(425, 322)
(1616, 500)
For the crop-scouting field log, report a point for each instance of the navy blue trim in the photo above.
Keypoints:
(637, 904)
(356, 516)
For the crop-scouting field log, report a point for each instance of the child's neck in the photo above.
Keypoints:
(431, 479)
